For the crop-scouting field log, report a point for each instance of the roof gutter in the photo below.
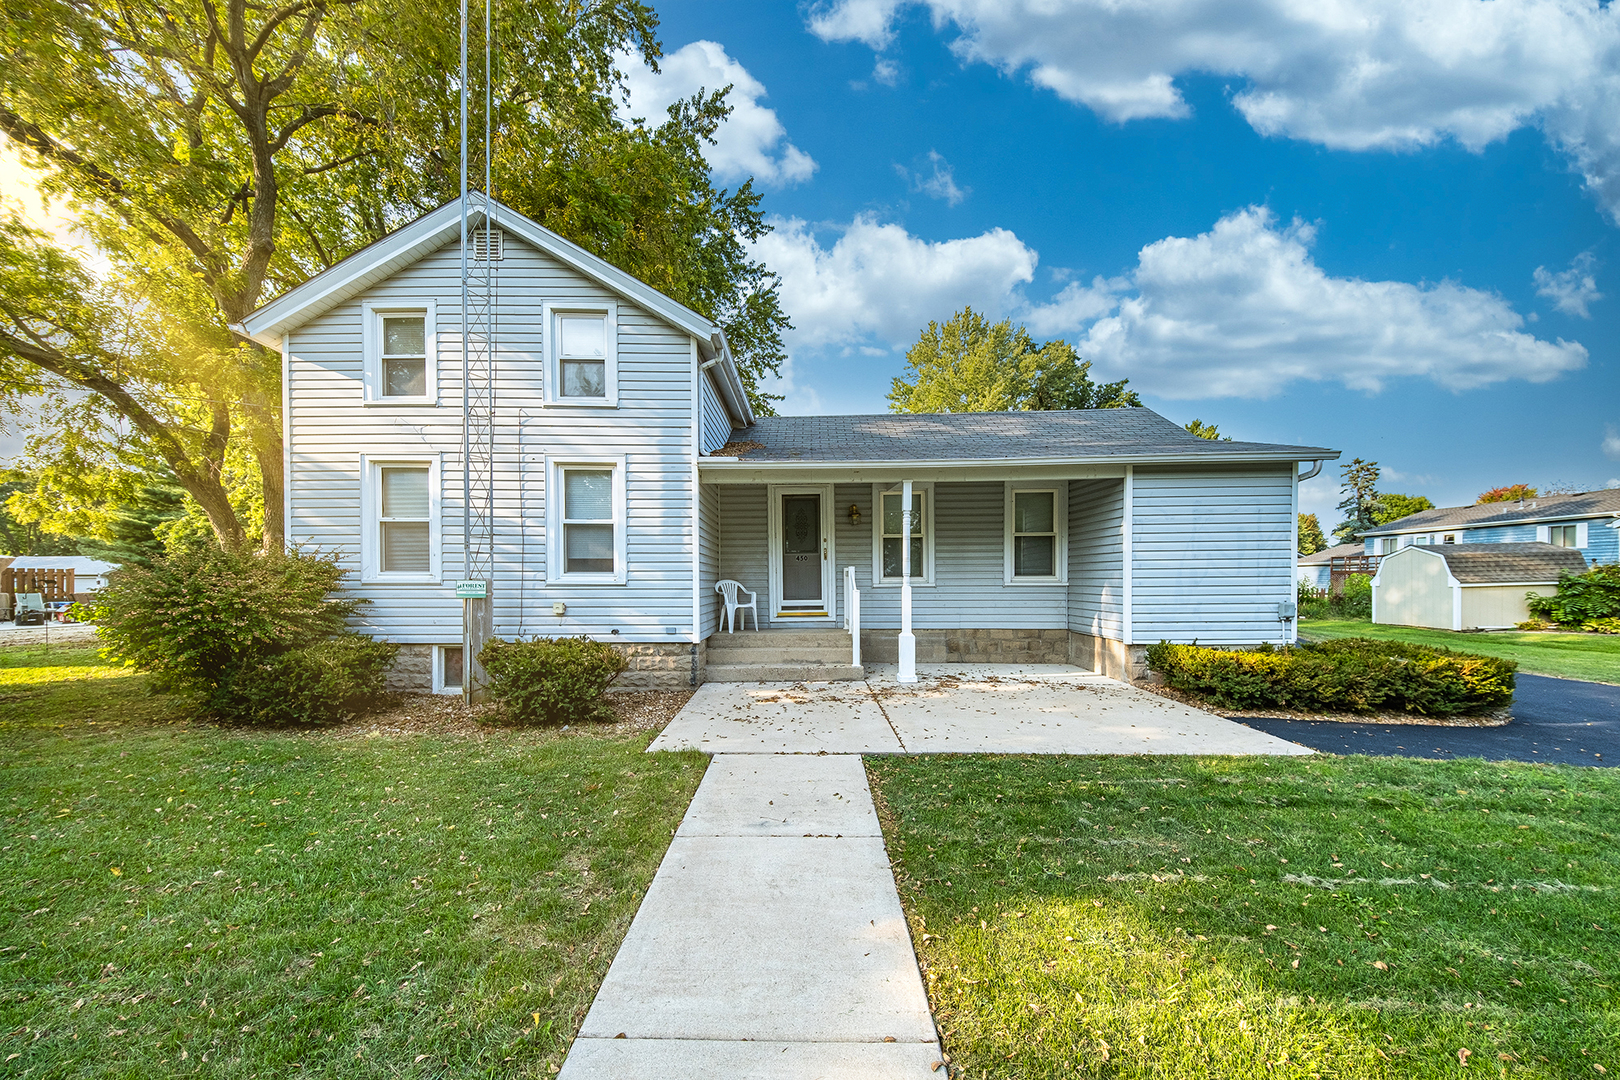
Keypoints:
(727, 381)
(732, 464)
(1492, 524)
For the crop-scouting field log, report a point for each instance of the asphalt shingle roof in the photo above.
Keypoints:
(1482, 564)
(1338, 551)
(1550, 508)
(1080, 433)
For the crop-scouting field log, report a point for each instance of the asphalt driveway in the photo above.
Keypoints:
(1565, 721)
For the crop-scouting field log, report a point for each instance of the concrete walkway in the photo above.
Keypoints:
(956, 709)
(771, 942)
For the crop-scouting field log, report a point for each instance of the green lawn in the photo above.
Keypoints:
(186, 900)
(1278, 917)
(1569, 656)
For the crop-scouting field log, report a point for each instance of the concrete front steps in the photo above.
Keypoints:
(781, 656)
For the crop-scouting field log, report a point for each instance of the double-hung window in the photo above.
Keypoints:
(587, 521)
(401, 511)
(1036, 534)
(583, 355)
(1564, 535)
(888, 530)
(1386, 545)
(401, 361)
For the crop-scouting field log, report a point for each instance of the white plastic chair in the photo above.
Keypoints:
(730, 589)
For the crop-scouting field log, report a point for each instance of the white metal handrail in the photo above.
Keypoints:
(852, 615)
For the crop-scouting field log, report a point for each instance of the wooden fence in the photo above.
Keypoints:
(50, 584)
(1340, 567)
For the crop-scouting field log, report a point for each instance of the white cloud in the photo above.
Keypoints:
(878, 282)
(1243, 310)
(751, 141)
(939, 182)
(1240, 311)
(1613, 483)
(886, 72)
(1611, 442)
(1356, 74)
(1570, 290)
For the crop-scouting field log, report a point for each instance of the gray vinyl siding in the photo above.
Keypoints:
(708, 559)
(1096, 558)
(329, 428)
(1211, 553)
(716, 425)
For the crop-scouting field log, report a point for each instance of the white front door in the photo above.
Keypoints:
(801, 552)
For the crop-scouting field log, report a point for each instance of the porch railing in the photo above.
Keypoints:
(852, 615)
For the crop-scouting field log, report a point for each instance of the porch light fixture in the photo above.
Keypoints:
(854, 514)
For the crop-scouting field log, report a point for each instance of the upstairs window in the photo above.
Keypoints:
(1037, 547)
(1386, 545)
(1564, 535)
(583, 351)
(401, 358)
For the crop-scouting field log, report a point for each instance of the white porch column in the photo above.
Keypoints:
(908, 642)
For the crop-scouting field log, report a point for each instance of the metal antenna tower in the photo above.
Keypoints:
(479, 254)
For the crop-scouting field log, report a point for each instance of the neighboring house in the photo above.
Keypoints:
(1467, 586)
(1315, 570)
(632, 477)
(1588, 522)
(89, 575)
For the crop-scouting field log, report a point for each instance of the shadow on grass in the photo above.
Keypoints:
(1219, 917)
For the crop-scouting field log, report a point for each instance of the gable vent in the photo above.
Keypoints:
(488, 245)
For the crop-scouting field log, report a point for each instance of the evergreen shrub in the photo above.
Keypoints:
(1345, 675)
(331, 679)
(551, 680)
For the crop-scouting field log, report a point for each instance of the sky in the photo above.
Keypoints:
(1388, 228)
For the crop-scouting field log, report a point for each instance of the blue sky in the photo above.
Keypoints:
(1326, 234)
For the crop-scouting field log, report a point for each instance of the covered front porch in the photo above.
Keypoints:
(1021, 568)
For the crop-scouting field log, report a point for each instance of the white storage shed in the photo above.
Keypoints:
(1467, 586)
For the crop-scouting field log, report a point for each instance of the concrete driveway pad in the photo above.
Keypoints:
(990, 709)
(662, 1059)
(780, 718)
(803, 795)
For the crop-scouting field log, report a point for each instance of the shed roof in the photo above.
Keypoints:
(1587, 504)
(1067, 435)
(1487, 564)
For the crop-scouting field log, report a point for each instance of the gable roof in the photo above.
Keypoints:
(1501, 564)
(413, 241)
(1586, 504)
(79, 564)
(1059, 436)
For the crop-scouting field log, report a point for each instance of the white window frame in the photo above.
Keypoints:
(438, 670)
(610, 362)
(1544, 532)
(372, 314)
(371, 512)
(1388, 545)
(925, 488)
(556, 560)
(1060, 523)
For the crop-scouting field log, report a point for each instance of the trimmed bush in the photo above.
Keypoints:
(1345, 675)
(192, 617)
(250, 637)
(1584, 601)
(551, 680)
(330, 680)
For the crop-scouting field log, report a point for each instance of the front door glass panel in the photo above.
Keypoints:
(801, 551)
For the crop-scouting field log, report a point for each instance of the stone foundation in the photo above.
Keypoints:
(656, 665)
(970, 646)
(661, 665)
(1117, 660)
(412, 671)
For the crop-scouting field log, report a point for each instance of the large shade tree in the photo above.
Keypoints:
(969, 364)
(218, 152)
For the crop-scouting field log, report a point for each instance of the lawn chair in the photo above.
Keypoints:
(730, 589)
(30, 609)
